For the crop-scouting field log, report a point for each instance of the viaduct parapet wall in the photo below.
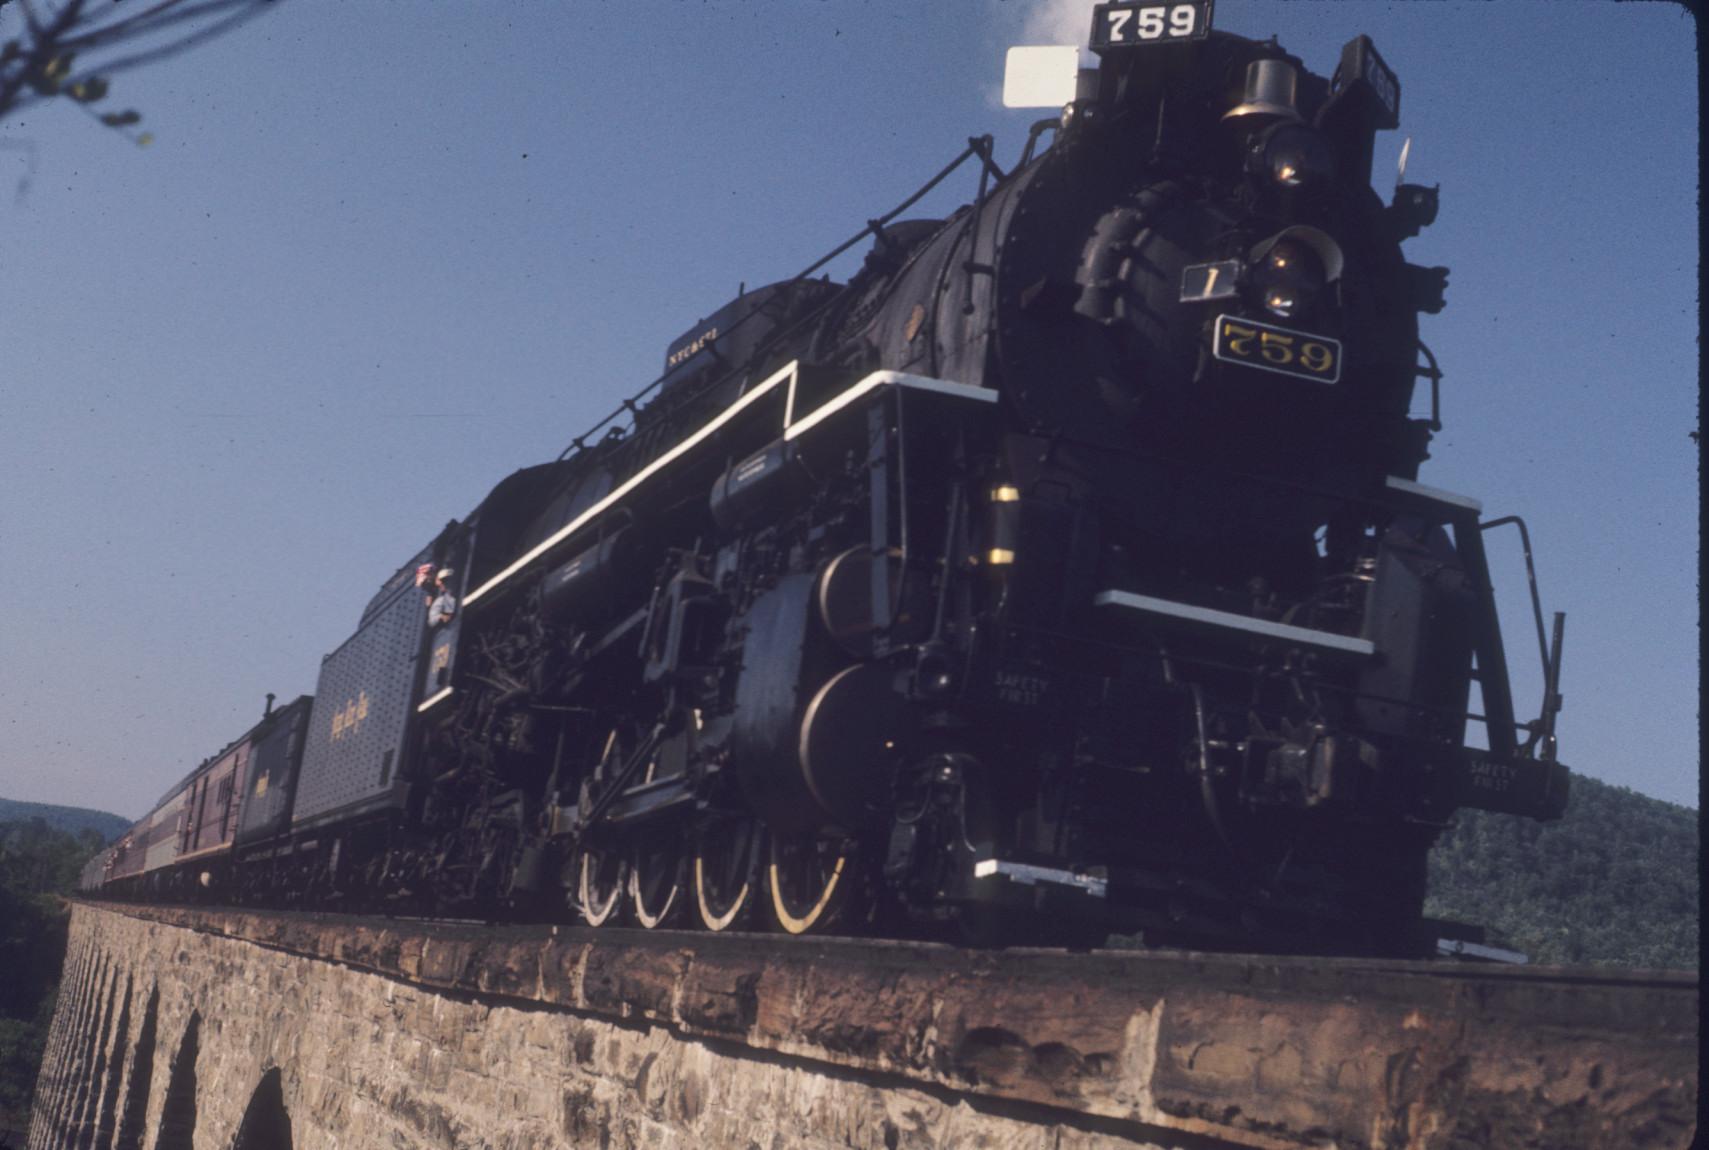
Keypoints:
(217, 1030)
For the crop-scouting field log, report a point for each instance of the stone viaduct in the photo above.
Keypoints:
(184, 1029)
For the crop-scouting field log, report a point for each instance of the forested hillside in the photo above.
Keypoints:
(1614, 883)
(37, 864)
(73, 819)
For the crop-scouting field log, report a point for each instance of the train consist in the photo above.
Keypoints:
(1064, 571)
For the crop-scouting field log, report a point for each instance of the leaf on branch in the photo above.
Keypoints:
(145, 139)
(88, 91)
(122, 119)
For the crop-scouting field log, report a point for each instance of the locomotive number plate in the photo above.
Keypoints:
(1280, 349)
(1130, 25)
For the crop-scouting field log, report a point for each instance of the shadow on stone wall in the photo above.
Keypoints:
(142, 1077)
(79, 1041)
(178, 1113)
(108, 1071)
(266, 1123)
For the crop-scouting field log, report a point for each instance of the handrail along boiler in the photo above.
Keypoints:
(1065, 571)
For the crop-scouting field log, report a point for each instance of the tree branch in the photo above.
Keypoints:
(162, 15)
(37, 67)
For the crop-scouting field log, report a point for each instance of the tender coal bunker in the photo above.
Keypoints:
(266, 1123)
(178, 1113)
(142, 1077)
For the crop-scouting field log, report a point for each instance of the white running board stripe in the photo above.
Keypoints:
(1262, 628)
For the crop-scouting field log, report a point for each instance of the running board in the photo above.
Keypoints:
(1185, 615)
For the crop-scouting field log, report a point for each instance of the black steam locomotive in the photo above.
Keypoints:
(1065, 571)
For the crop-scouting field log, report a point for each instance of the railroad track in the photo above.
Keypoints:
(759, 945)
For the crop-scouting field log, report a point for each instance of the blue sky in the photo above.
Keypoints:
(382, 254)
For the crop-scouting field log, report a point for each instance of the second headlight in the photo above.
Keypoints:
(1287, 273)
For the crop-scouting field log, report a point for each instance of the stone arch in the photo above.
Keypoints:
(266, 1123)
(142, 1077)
(178, 1111)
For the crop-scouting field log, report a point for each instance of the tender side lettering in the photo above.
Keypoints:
(348, 718)
(688, 349)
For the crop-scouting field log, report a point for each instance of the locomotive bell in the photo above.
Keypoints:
(1271, 86)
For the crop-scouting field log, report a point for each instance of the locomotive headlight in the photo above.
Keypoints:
(1292, 155)
(1291, 269)
(1288, 277)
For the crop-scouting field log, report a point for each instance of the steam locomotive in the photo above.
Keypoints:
(1065, 571)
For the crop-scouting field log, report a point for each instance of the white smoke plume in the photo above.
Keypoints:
(1059, 22)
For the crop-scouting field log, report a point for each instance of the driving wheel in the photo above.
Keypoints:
(810, 883)
(725, 866)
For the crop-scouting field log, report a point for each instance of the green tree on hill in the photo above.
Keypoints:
(38, 864)
(1613, 883)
